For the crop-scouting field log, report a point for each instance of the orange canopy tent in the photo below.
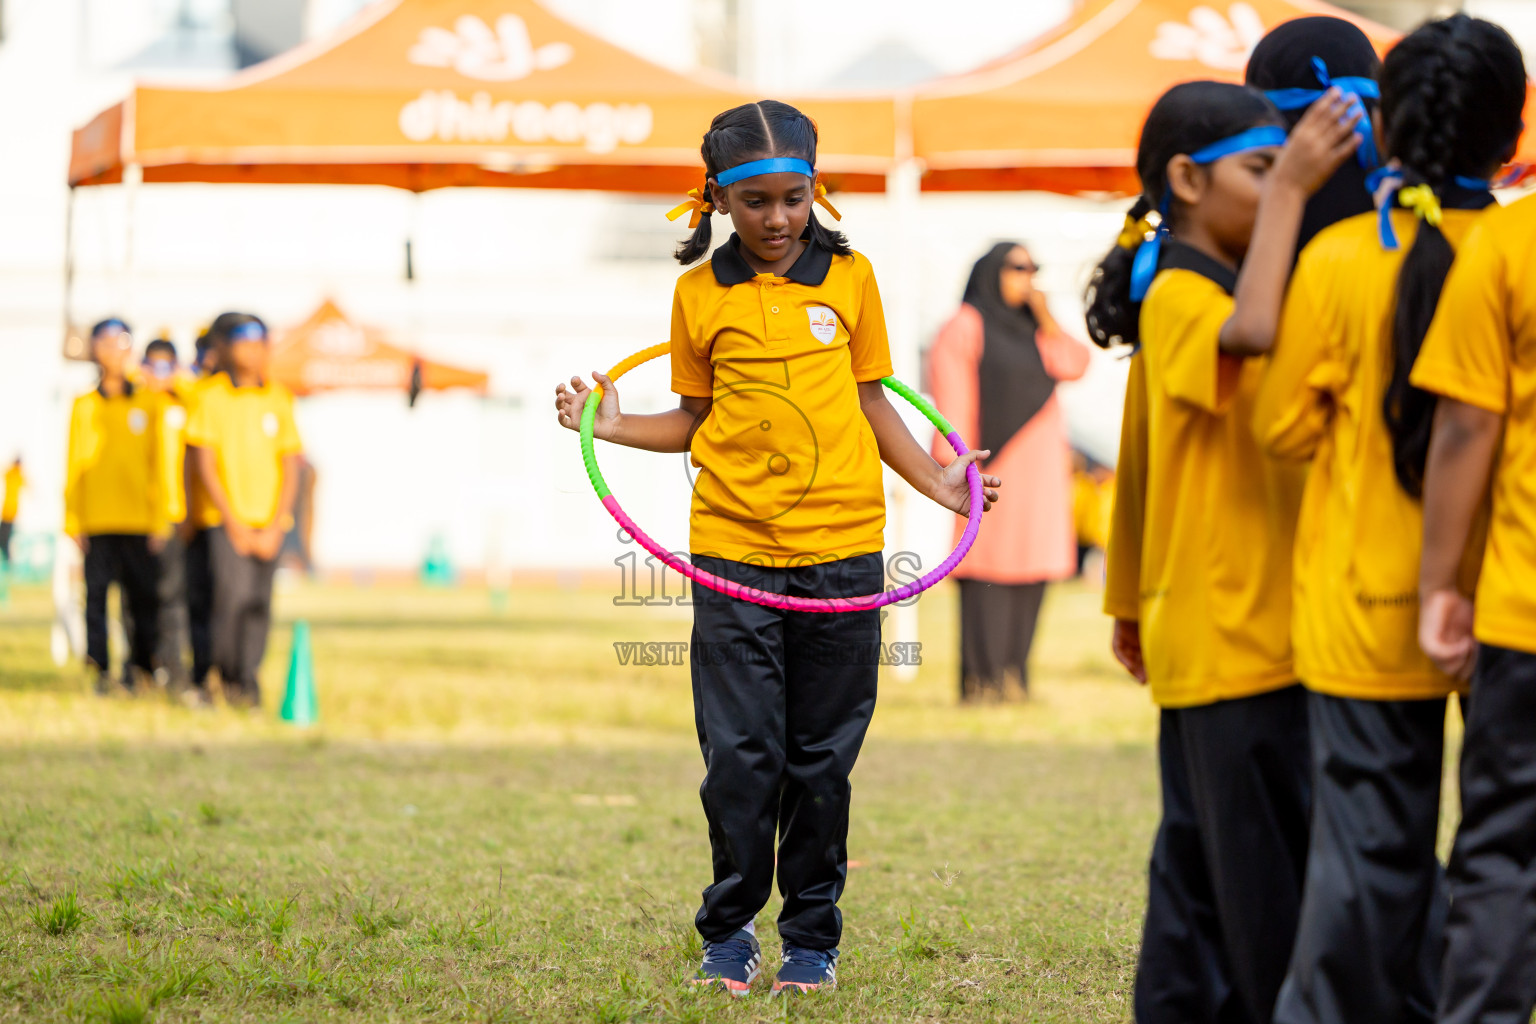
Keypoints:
(330, 352)
(1064, 112)
(423, 94)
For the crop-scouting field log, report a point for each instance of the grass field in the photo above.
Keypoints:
(498, 822)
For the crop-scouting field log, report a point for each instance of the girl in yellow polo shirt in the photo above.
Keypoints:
(778, 347)
(1480, 359)
(1337, 393)
(113, 507)
(1199, 549)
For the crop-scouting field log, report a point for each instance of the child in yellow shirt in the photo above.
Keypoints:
(1337, 395)
(113, 507)
(778, 348)
(1199, 550)
(244, 443)
(15, 481)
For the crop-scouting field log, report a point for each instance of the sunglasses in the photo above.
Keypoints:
(1023, 268)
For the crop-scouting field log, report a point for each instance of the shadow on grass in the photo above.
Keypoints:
(35, 680)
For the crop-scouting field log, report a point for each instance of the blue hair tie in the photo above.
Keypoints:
(773, 165)
(1144, 265)
(1382, 184)
(1354, 89)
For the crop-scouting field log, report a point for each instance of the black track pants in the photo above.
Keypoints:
(782, 701)
(242, 615)
(124, 559)
(1373, 911)
(1227, 865)
(1490, 960)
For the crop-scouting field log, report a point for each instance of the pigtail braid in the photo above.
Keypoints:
(1112, 317)
(696, 246)
(1424, 128)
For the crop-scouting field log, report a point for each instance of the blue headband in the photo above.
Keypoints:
(1144, 266)
(111, 323)
(773, 165)
(248, 331)
(1354, 89)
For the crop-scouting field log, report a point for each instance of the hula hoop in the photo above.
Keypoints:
(764, 597)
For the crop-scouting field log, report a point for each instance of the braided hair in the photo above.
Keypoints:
(756, 131)
(1186, 119)
(1452, 93)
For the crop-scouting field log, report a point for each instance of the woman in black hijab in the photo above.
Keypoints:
(994, 368)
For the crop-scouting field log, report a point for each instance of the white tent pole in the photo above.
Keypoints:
(133, 177)
(900, 296)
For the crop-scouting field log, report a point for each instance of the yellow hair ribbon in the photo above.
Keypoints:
(1421, 199)
(1135, 231)
(695, 202)
(824, 203)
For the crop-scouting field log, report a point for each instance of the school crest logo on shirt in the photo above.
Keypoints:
(175, 417)
(137, 421)
(269, 424)
(823, 324)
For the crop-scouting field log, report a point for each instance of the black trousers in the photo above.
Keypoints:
(1490, 939)
(173, 610)
(997, 630)
(198, 565)
(124, 559)
(1373, 911)
(6, 530)
(1228, 861)
(242, 615)
(782, 701)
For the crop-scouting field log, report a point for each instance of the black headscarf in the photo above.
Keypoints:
(1283, 60)
(1013, 384)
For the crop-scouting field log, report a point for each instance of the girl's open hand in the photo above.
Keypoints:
(954, 492)
(569, 403)
(1321, 141)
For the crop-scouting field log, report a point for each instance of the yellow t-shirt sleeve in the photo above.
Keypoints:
(692, 374)
(159, 504)
(1465, 355)
(79, 424)
(200, 422)
(1122, 559)
(1295, 399)
(1189, 311)
(868, 344)
(288, 442)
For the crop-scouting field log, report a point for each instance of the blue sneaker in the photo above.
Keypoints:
(732, 964)
(806, 970)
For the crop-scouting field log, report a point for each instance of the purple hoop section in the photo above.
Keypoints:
(820, 604)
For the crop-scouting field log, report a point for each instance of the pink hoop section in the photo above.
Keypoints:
(771, 599)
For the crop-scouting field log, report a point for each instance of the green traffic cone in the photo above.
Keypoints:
(301, 706)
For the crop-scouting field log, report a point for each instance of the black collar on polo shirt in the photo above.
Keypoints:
(1178, 256)
(731, 267)
(101, 389)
